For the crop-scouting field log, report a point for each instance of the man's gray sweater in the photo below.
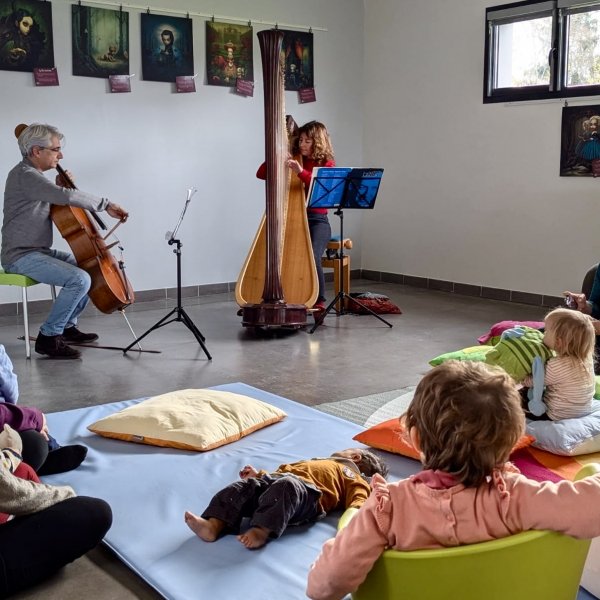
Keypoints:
(28, 196)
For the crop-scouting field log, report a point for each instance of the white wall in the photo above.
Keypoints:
(144, 149)
(471, 192)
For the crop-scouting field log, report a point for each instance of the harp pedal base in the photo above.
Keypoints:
(269, 316)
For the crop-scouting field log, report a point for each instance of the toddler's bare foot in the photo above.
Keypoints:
(255, 537)
(206, 529)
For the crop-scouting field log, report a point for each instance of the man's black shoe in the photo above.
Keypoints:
(53, 346)
(72, 334)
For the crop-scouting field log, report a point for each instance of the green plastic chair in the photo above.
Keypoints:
(532, 565)
(23, 282)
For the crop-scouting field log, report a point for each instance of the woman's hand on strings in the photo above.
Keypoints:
(294, 165)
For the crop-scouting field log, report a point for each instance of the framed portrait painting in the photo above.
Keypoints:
(100, 41)
(228, 53)
(167, 47)
(580, 141)
(26, 41)
(297, 48)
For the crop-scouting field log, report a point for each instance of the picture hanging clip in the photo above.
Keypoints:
(566, 104)
(249, 23)
(187, 16)
(213, 18)
(309, 29)
(148, 11)
(276, 26)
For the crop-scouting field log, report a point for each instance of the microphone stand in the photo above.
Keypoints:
(177, 313)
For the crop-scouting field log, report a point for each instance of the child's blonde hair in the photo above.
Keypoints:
(468, 417)
(322, 149)
(574, 333)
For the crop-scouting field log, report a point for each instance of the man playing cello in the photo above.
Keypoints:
(27, 237)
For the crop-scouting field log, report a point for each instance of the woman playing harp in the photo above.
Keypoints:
(313, 144)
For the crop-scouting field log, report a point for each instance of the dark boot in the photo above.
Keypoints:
(72, 334)
(54, 346)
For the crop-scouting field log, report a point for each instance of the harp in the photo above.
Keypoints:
(278, 281)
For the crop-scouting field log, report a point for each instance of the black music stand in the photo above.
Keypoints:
(339, 188)
(178, 311)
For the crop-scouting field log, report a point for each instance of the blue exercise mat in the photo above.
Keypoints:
(150, 488)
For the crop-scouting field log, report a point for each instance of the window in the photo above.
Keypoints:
(542, 49)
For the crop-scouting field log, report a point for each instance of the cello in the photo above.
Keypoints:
(110, 289)
(278, 280)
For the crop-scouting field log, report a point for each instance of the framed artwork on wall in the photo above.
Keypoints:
(298, 51)
(580, 141)
(228, 53)
(26, 39)
(100, 40)
(167, 47)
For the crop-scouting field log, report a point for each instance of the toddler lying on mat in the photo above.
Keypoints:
(295, 493)
(465, 418)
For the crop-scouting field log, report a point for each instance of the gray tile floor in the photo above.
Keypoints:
(348, 356)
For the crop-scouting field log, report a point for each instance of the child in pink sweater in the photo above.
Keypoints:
(465, 418)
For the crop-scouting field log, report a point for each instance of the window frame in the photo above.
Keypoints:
(560, 11)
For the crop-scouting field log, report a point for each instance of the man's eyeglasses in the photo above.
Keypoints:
(56, 150)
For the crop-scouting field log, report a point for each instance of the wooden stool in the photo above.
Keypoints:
(23, 282)
(330, 261)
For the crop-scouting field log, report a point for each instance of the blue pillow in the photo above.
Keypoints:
(568, 437)
(9, 388)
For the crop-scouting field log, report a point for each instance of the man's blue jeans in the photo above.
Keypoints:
(57, 268)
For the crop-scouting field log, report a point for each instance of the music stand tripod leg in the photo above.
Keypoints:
(330, 307)
(197, 334)
(155, 326)
(371, 312)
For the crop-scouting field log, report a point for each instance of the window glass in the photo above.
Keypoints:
(522, 55)
(583, 48)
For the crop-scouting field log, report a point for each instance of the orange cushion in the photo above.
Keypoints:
(392, 436)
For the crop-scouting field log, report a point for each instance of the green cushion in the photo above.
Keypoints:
(515, 354)
(477, 353)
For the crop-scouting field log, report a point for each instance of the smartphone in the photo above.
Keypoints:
(570, 302)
